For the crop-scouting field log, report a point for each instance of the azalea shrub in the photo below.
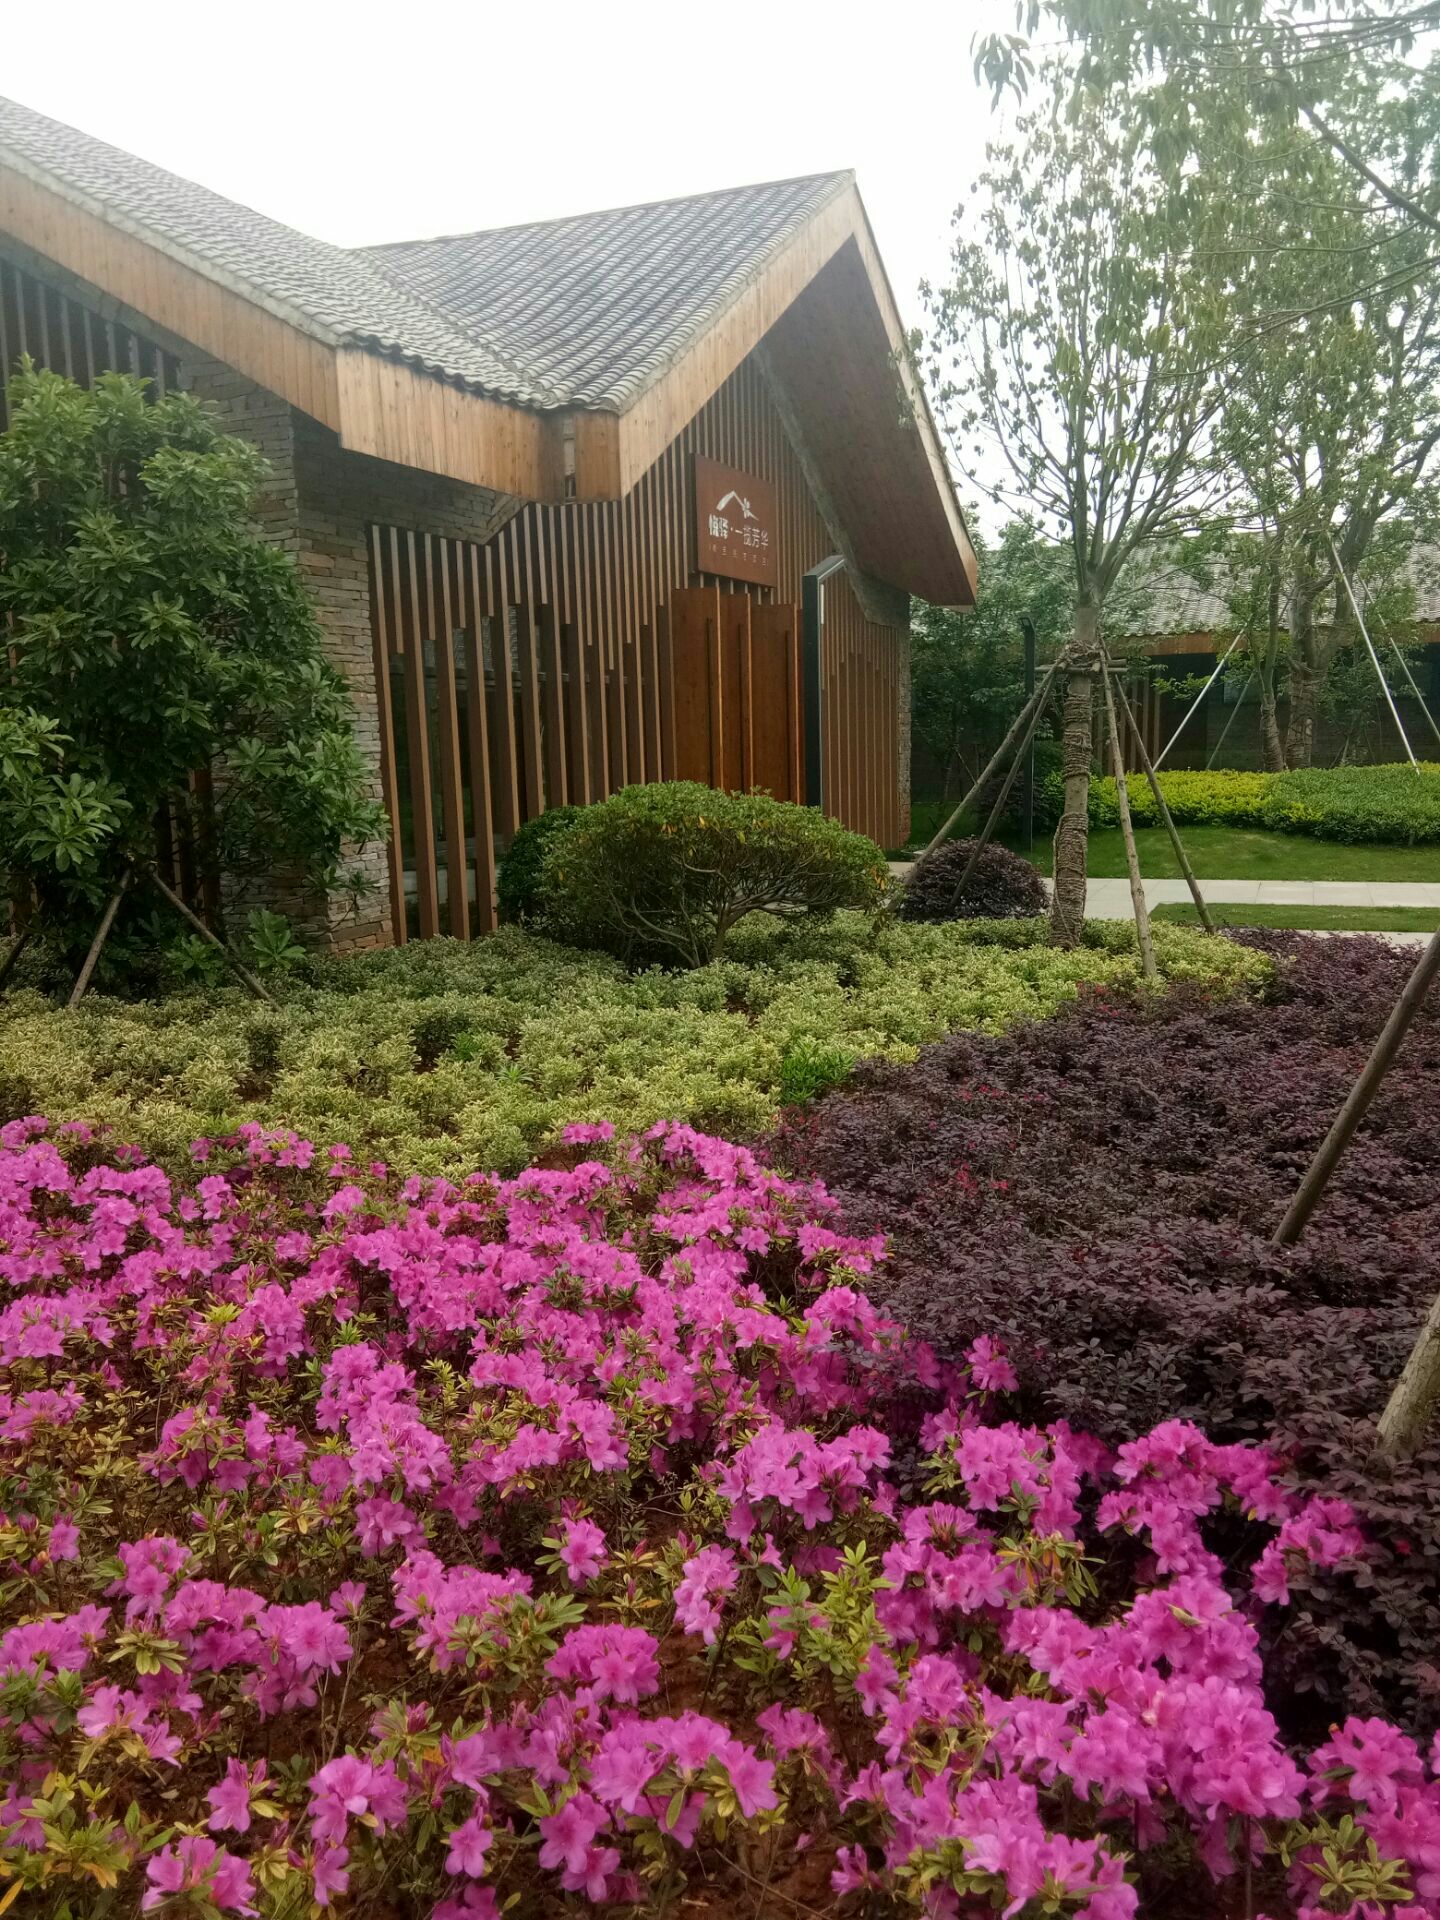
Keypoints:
(446, 1055)
(589, 1538)
(1101, 1192)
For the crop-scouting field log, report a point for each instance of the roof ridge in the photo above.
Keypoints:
(837, 176)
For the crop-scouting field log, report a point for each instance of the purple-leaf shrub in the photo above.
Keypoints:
(533, 1543)
(1100, 1191)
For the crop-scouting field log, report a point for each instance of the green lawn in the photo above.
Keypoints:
(1234, 853)
(1309, 919)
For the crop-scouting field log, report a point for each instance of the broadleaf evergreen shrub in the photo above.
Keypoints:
(444, 1055)
(517, 883)
(152, 632)
(1004, 885)
(1100, 1192)
(664, 873)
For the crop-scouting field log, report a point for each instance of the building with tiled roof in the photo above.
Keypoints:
(633, 495)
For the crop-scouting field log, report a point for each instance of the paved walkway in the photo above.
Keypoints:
(1110, 899)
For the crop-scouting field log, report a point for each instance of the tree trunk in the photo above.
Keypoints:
(1271, 745)
(1311, 652)
(1072, 836)
(1300, 734)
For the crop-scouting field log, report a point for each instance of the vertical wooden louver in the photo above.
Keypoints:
(583, 618)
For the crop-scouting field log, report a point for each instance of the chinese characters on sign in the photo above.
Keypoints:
(735, 523)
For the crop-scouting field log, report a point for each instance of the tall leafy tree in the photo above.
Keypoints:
(1330, 421)
(152, 632)
(1075, 352)
(1205, 72)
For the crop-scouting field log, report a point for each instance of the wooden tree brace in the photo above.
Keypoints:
(17, 947)
(1342, 1128)
(988, 830)
(97, 945)
(1181, 857)
(232, 959)
(1002, 753)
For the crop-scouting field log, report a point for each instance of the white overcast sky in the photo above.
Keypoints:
(368, 122)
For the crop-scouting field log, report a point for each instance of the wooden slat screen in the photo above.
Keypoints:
(607, 661)
(609, 571)
(58, 333)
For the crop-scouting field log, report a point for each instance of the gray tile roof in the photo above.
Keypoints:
(1161, 599)
(342, 295)
(600, 304)
(580, 312)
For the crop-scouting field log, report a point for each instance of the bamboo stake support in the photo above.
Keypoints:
(17, 947)
(1127, 830)
(1182, 858)
(1327, 1158)
(1405, 669)
(988, 830)
(1374, 657)
(102, 934)
(1410, 1406)
(1407, 1412)
(1234, 711)
(1195, 703)
(1001, 754)
(232, 959)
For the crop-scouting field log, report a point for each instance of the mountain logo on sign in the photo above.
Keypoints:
(743, 504)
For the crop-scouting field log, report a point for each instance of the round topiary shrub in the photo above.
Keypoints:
(1003, 886)
(518, 880)
(659, 875)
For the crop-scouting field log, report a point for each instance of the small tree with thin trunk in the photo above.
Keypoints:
(1075, 354)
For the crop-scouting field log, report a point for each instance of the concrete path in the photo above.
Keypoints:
(1110, 899)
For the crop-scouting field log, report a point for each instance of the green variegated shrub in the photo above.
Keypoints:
(439, 1056)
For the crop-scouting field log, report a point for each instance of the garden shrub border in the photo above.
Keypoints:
(442, 1056)
(1387, 804)
(1100, 1194)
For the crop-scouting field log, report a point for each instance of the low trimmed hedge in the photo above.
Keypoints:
(440, 1057)
(1002, 886)
(1389, 804)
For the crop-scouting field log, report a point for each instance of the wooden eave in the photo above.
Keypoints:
(822, 305)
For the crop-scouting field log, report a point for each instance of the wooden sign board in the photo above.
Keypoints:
(736, 533)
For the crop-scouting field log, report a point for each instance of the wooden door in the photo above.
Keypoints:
(735, 679)
(777, 757)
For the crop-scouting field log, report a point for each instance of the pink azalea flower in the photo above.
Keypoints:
(195, 1864)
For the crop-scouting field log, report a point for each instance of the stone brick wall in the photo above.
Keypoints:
(319, 504)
